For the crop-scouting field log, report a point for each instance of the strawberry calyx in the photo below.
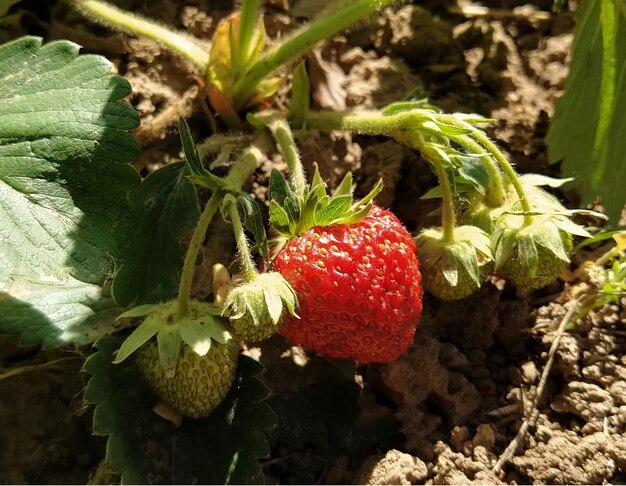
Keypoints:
(256, 307)
(200, 329)
(292, 214)
(454, 269)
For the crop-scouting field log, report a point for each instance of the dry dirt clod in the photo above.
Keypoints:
(394, 467)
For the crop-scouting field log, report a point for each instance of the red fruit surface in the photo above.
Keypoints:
(359, 288)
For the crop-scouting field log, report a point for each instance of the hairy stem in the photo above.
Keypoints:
(323, 27)
(241, 170)
(130, 23)
(507, 168)
(287, 145)
(247, 21)
(447, 200)
(189, 266)
(245, 257)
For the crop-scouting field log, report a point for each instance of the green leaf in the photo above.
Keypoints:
(164, 212)
(220, 449)
(64, 184)
(300, 95)
(55, 315)
(588, 128)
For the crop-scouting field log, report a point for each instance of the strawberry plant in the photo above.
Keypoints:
(91, 253)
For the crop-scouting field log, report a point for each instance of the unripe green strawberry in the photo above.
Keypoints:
(531, 256)
(453, 270)
(255, 308)
(193, 365)
(200, 382)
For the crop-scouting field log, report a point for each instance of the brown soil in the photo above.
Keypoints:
(459, 395)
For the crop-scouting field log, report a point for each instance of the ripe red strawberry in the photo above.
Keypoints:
(358, 283)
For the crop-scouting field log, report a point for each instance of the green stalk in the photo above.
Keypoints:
(130, 23)
(507, 168)
(447, 201)
(373, 123)
(287, 145)
(247, 23)
(303, 40)
(189, 266)
(249, 270)
(241, 170)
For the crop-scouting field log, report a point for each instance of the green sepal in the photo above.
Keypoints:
(169, 343)
(253, 221)
(140, 336)
(139, 311)
(527, 253)
(197, 335)
(463, 262)
(256, 308)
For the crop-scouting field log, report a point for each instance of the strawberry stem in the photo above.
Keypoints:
(189, 266)
(507, 168)
(242, 168)
(245, 257)
(447, 201)
(329, 23)
(288, 148)
(247, 22)
(184, 45)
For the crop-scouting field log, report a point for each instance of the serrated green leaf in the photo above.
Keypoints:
(165, 212)
(140, 336)
(55, 315)
(220, 449)
(472, 171)
(588, 127)
(197, 336)
(64, 184)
